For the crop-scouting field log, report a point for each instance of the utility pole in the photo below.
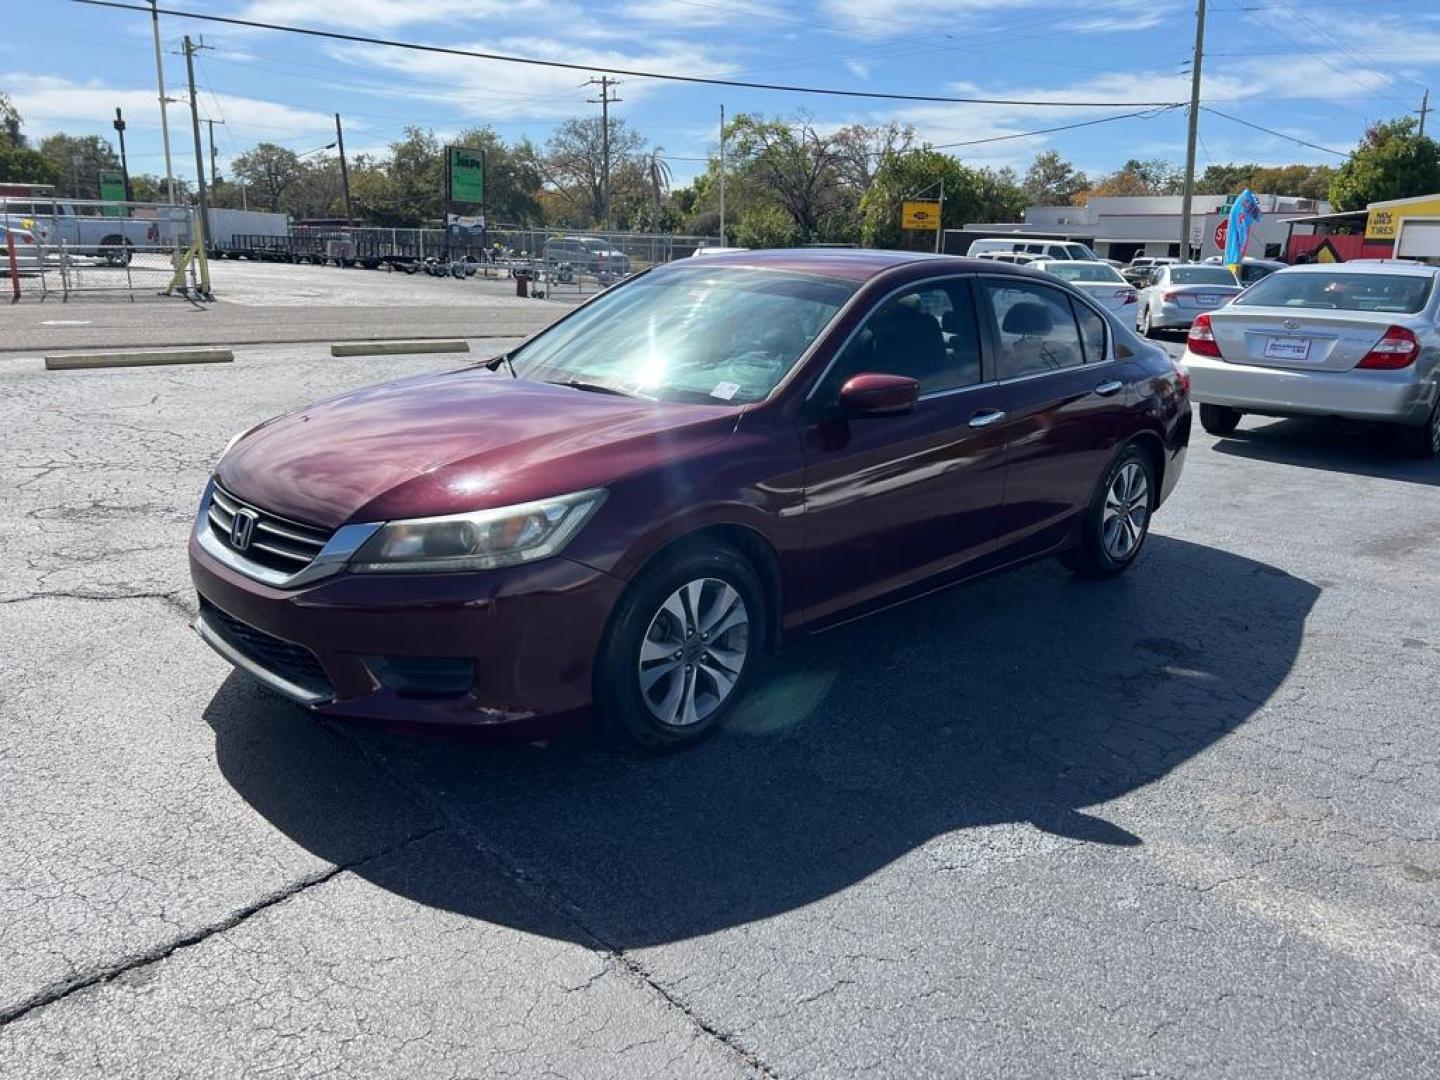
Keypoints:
(119, 125)
(605, 100)
(214, 172)
(723, 241)
(344, 169)
(1424, 109)
(203, 221)
(164, 119)
(1193, 132)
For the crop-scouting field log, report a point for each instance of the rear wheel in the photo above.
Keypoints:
(115, 250)
(680, 650)
(1118, 518)
(1423, 441)
(1146, 330)
(1218, 419)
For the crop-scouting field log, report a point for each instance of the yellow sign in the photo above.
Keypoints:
(1383, 222)
(920, 215)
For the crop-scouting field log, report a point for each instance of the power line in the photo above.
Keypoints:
(1147, 113)
(362, 39)
(1277, 134)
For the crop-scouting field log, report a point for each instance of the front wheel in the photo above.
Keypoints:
(1423, 441)
(681, 647)
(1218, 419)
(1117, 521)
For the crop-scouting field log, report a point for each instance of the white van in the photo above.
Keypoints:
(1041, 249)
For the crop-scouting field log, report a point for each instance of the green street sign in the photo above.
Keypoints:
(112, 189)
(467, 175)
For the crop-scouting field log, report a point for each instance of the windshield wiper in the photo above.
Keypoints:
(503, 358)
(594, 388)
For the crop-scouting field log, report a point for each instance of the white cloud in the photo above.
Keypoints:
(48, 102)
(858, 68)
(381, 14)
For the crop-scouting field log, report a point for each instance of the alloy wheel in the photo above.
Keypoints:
(693, 651)
(1127, 511)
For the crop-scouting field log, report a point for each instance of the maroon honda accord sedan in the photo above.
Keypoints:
(618, 518)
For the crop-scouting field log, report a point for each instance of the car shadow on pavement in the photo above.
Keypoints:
(1359, 449)
(1030, 698)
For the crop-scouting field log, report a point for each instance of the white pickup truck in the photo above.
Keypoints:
(84, 229)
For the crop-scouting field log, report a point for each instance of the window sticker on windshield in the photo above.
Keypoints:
(725, 390)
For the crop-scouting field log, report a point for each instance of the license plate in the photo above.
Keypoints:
(1209, 299)
(1287, 348)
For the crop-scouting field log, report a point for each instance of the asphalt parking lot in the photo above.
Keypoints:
(1185, 823)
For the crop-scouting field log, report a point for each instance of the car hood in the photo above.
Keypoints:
(454, 442)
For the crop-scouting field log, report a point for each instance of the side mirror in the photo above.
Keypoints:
(873, 394)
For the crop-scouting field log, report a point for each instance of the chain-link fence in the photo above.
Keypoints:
(126, 248)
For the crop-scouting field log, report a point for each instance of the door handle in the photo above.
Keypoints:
(1105, 389)
(986, 417)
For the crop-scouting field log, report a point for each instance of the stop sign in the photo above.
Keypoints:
(1221, 228)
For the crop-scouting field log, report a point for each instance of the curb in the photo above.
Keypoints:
(77, 361)
(396, 348)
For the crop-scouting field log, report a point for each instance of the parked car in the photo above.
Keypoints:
(1041, 249)
(1178, 293)
(28, 254)
(1014, 258)
(587, 253)
(81, 229)
(621, 515)
(1356, 341)
(1252, 270)
(1142, 268)
(1099, 280)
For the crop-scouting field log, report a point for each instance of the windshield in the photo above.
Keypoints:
(1082, 251)
(1079, 271)
(1201, 275)
(707, 333)
(1398, 293)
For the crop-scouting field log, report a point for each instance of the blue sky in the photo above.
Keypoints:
(1316, 69)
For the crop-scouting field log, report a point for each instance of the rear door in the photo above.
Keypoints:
(895, 503)
(1069, 406)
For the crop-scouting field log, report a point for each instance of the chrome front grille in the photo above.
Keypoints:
(275, 543)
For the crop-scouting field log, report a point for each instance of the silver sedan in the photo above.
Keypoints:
(1356, 340)
(1179, 292)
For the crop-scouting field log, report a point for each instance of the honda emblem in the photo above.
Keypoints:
(242, 529)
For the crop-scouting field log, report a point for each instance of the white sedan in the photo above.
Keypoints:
(1098, 280)
(1179, 293)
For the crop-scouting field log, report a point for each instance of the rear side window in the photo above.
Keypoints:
(1092, 331)
(1034, 327)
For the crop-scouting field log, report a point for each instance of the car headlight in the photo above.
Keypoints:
(482, 540)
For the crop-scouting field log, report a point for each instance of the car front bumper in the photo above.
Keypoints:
(514, 648)
(1386, 396)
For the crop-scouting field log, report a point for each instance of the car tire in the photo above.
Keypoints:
(1146, 330)
(662, 682)
(1219, 419)
(1117, 520)
(115, 251)
(1423, 441)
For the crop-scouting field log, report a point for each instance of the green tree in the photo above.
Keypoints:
(270, 172)
(971, 194)
(1392, 162)
(21, 166)
(766, 226)
(1052, 181)
(574, 164)
(512, 177)
(79, 159)
(1301, 181)
(790, 164)
(10, 124)
(1135, 177)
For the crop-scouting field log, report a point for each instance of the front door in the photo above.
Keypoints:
(896, 504)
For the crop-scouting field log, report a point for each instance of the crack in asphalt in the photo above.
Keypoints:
(538, 886)
(169, 599)
(109, 973)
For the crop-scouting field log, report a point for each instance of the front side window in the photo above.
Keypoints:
(722, 335)
(1034, 327)
(927, 333)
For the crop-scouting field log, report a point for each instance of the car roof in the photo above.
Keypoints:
(1367, 266)
(852, 264)
(1075, 262)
